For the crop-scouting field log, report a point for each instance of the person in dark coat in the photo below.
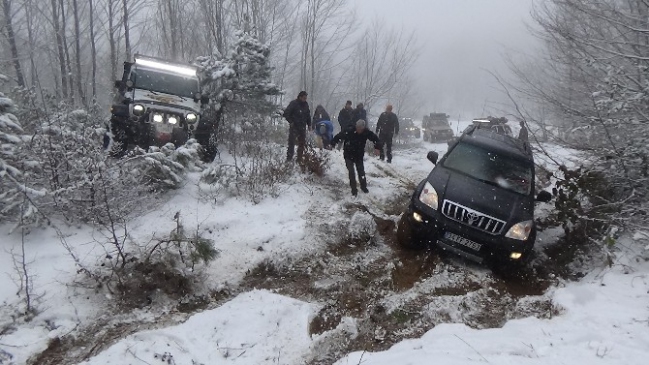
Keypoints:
(345, 116)
(354, 150)
(322, 126)
(319, 115)
(523, 135)
(387, 127)
(298, 115)
(359, 114)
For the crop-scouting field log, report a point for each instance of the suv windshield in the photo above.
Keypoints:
(164, 82)
(491, 167)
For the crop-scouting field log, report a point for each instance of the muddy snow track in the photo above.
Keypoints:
(374, 294)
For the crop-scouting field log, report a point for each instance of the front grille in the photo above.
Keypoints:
(472, 218)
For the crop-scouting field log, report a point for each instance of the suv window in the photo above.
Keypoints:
(491, 167)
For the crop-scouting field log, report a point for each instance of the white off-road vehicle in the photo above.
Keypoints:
(158, 102)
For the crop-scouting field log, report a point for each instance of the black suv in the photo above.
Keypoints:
(478, 201)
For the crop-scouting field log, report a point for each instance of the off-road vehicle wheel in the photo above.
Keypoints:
(405, 235)
(120, 137)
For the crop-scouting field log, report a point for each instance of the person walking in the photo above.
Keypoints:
(345, 116)
(387, 127)
(358, 114)
(298, 115)
(523, 134)
(353, 151)
(322, 126)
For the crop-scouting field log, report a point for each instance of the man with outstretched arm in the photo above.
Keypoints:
(298, 115)
(354, 150)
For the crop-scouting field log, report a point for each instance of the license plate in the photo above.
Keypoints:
(164, 127)
(462, 241)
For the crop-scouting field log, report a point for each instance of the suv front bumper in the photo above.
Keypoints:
(431, 227)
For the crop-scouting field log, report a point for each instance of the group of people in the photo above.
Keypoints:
(353, 134)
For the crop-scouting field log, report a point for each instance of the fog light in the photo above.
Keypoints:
(172, 120)
(138, 109)
(158, 118)
(515, 255)
(417, 217)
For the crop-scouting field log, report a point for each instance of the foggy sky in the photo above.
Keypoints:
(459, 39)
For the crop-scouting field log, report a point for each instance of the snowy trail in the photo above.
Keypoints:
(316, 264)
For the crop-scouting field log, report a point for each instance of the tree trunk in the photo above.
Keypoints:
(127, 35)
(11, 37)
(59, 48)
(77, 51)
(93, 49)
(111, 40)
(68, 62)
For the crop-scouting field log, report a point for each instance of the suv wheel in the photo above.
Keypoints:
(405, 235)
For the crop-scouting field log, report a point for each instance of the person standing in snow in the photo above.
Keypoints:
(298, 115)
(345, 116)
(319, 115)
(354, 150)
(387, 127)
(523, 134)
(322, 126)
(358, 114)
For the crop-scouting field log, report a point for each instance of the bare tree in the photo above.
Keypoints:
(383, 58)
(11, 38)
(127, 29)
(93, 48)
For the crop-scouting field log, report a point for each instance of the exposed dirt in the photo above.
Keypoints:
(391, 294)
(372, 292)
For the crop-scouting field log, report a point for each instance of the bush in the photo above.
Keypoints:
(260, 172)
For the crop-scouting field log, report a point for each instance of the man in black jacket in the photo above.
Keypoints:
(345, 116)
(387, 127)
(359, 114)
(298, 115)
(354, 150)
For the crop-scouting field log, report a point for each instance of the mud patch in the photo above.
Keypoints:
(374, 294)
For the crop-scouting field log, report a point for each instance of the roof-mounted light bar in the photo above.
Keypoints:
(187, 71)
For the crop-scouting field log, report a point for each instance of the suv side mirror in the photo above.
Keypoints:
(205, 99)
(432, 157)
(544, 197)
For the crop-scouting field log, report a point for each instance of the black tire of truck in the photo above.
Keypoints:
(405, 235)
(120, 137)
(206, 136)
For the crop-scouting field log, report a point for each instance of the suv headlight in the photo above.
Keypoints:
(138, 109)
(429, 197)
(172, 120)
(158, 118)
(191, 118)
(520, 231)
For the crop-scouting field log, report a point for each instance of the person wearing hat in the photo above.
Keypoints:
(354, 149)
(298, 115)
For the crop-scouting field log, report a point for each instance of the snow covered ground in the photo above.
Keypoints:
(603, 319)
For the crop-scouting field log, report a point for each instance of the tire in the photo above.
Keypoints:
(426, 137)
(179, 137)
(405, 235)
(120, 137)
